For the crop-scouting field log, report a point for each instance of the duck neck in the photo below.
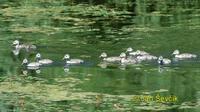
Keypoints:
(24, 64)
(123, 60)
(161, 62)
(37, 59)
(66, 60)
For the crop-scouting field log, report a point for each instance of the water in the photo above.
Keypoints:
(85, 31)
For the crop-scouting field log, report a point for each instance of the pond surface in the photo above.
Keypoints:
(85, 31)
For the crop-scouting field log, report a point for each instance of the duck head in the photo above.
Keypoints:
(130, 49)
(103, 55)
(176, 52)
(122, 55)
(16, 42)
(38, 56)
(66, 57)
(25, 62)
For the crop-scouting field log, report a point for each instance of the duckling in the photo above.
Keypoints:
(146, 57)
(71, 61)
(42, 61)
(177, 55)
(125, 60)
(163, 61)
(135, 53)
(32, 65)
(110, 59)
(28, 47)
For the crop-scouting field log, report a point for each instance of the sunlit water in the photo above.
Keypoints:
(64, 29)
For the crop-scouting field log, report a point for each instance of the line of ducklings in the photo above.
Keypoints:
(125, 58)
(138, 56)
(39, 61)
(43, 62)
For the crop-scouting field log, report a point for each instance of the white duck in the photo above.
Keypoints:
(126, 61)
(177, 55)
(42, 61)
(32, 65)
(163, 61)
(135, 53)
(110, 59)
(72, 61)
(17, 45)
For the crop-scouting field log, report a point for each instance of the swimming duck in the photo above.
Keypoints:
(177, 55)
(72, 61)
(146, 57)
(28, 47)
(163, 61)
(42, 61)
(32, 65)
(135, 53)
(111, 59)
(125, 60)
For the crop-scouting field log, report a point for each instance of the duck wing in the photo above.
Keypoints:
(186, 55)
(146, 58)
(112, 59)
(166, 61)
(33, 64)
(45, 61)
(75, 61)
(129, 61)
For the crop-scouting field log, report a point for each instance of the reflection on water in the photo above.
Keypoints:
(86, 30)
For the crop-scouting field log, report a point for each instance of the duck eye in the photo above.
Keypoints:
(25, 61)
(66, 56)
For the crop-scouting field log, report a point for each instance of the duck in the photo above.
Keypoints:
(28, 47)
(177, 55)
(72, 61)
(125, 60)
(111, 59)
(135, 53)
(146, 57)
(42, 61)
(31, 65)
(163, 61)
